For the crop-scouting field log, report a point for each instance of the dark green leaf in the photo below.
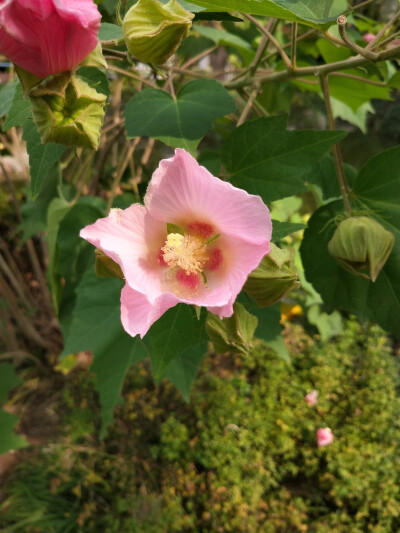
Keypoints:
(96, 326)
(183, 369)
(311, 12)
(281, 229)
(265, 158)
(95, 78)
(155, 113)
(323, 174)
(174, 335)
(9, 439)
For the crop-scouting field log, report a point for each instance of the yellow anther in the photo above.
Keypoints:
(185, 251)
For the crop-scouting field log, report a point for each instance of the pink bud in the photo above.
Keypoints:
(368, 37)
(48, 36)
(312, 397)
(324, 436)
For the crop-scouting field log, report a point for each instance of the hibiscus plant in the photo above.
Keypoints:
(158, 132)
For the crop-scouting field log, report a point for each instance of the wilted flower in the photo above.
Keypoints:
(195, 240)
(324, 436)
(312, 397)
(48, 36)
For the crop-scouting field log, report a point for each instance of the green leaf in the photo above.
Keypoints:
(155, 113)
(174, 335)
(111, 364)
(19, 111)
(225, 38)
(323, 174)
(95, 78)
(7, 93)
(96, 326)
(281, 229)
(183, 369)
(358, 118)
(378, 301)
(42, 157)
(269, 329)
(264, 158)
(189, 146)
(110, 32)
(9, 439)
(310, 12)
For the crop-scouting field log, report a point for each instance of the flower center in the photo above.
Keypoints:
(185, 251)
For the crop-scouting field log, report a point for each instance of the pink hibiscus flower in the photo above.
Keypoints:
(48, 36)
(324, 436)
(217, 235)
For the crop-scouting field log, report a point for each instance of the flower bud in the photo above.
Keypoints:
(361, 246)
(153, 31)
(274, 277)
(68, 111)
(233, 334)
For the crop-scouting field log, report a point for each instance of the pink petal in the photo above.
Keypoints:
(50, 36)
(138, 313)
(183, 191)
(132, 239)
(324, 436)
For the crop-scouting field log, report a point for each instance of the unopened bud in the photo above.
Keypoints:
(361, 246)
(274, 277)
(153, 31)
(68, 111)
(233, 334)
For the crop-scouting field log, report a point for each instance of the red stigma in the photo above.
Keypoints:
(160, 259)
(215, 260)
(190, 281)
(200, 229)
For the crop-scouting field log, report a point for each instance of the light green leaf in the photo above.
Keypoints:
(265, 158)
(222, 37)
(110, 32)
(189, 146)
(314, 13)
(19, 111)
(155, 113)
(7, 93)
(358, 117)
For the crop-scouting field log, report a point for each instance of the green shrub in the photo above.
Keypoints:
(242, 457)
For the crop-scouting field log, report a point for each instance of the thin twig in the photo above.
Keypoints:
(129, 149)
(130, 74)
(362, 4)
(263, 30)
(365, 52)
(335, 149)
(248, 105)
(293, 45)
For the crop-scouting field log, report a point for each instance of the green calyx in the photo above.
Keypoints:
(153, 31)
(66, 110)
(274, 277)
(361, 246)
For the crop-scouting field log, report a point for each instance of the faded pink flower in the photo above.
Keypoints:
(368, 37)
(48, 36)
(221, 235)
(324, 436)
(312, 397)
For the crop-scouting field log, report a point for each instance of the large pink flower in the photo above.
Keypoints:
(48, 36)
(221, 234)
